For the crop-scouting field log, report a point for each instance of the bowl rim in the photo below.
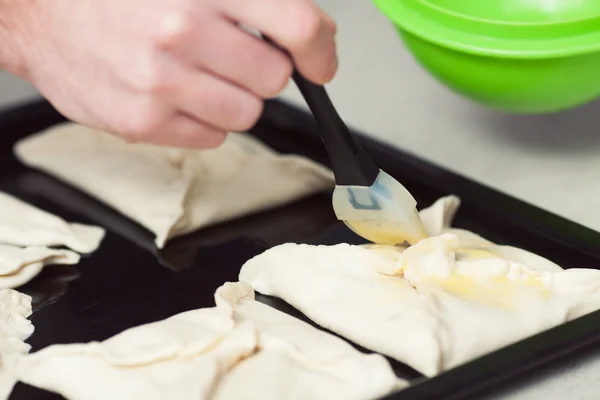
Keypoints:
(414, 21)
(442, 10)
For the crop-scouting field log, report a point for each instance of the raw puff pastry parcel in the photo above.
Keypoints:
(19, 265)
(22, 224)
(240, 349)
(173, 191)
(15, 308)
(444, 301)
(25, 231)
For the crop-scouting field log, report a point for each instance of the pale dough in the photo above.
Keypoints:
(22, 224)
(19, 265)
(173, 191)
(448, 299)
(238, 349)
(437, 219)
(15, 308)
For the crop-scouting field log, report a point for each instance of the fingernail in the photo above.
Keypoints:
(331, 25)
(333, 67)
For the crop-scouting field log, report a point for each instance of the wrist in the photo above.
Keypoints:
(14, 15)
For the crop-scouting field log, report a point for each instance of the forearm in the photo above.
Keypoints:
(13, 27)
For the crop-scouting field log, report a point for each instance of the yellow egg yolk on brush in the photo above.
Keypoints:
(386, 233)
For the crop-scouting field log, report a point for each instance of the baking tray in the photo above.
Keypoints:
(128, 282)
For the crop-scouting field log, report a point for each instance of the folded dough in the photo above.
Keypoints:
(437, 219)
(22, 224)
(447, 300)
(15, 308)
(238, 349)
(173, 191)
(19, 265)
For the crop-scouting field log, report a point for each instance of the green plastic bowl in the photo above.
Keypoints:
(519, 62)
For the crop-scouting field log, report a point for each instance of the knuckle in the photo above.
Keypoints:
(173, 31)
(307, 26)
(152, 79)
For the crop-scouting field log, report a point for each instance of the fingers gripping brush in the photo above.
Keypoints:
(368, 200)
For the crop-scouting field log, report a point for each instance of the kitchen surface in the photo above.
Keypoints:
(551, 161)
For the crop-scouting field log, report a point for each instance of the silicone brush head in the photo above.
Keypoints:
(383, 213)
(372, 203)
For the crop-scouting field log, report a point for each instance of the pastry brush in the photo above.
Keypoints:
(368, 200)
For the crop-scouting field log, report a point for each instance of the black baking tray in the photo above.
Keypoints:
(128, 282)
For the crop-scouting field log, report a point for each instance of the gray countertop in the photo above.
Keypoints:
(551, 161)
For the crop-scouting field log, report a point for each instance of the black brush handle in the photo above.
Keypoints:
(350, 163)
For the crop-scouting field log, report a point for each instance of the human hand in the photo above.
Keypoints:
(170, 72)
